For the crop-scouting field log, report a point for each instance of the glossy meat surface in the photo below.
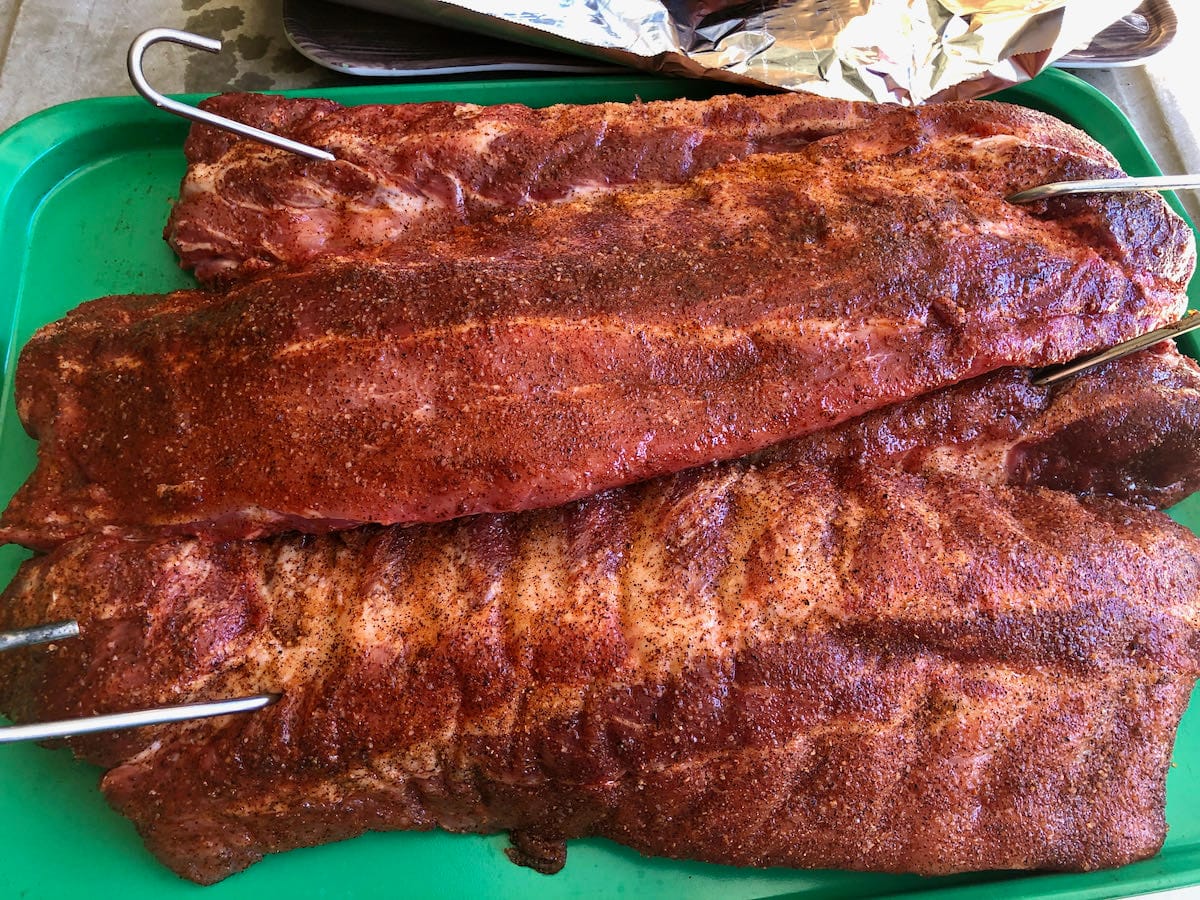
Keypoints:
(557, 351)
(413, 170)
(421, 168)
(1129, 430)
(761, 664)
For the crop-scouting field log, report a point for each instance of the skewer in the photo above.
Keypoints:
(1055, 374)
(43, 731)
(1105, 186)
(38, 634)
(137, 76)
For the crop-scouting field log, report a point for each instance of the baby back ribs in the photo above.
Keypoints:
(556, 351)
(418, 169)
(244, 208)
(771, 663)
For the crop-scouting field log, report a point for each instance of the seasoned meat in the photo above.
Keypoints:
(757, 664)
(560, 350)
(418, 169)
(425, 167)
(1128, 430)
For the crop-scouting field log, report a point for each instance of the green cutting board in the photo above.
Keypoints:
(84, 191)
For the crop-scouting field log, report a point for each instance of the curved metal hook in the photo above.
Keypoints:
(156, 35)
(1106, 186)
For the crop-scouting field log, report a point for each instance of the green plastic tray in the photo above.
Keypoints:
(84, 191)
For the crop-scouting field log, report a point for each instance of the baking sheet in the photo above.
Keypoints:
(1129, 41)
(84, 191)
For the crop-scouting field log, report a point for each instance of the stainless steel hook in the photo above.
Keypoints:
(38, 634)
(1105, 186)
(1054, 374)
(170, 35)
(161, 715)
(43, 731)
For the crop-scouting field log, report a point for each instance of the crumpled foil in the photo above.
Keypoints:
(897, 51)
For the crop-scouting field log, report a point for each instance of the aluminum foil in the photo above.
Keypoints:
(898, 51)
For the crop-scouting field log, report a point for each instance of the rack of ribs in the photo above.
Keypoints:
(549, 353)
(419, 167)
(1127, 431)
(412, 170)
(888, 646)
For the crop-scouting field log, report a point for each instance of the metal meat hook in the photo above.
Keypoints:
(1105, 186)
(42, 731)
(170, 35)
(1054, 374)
